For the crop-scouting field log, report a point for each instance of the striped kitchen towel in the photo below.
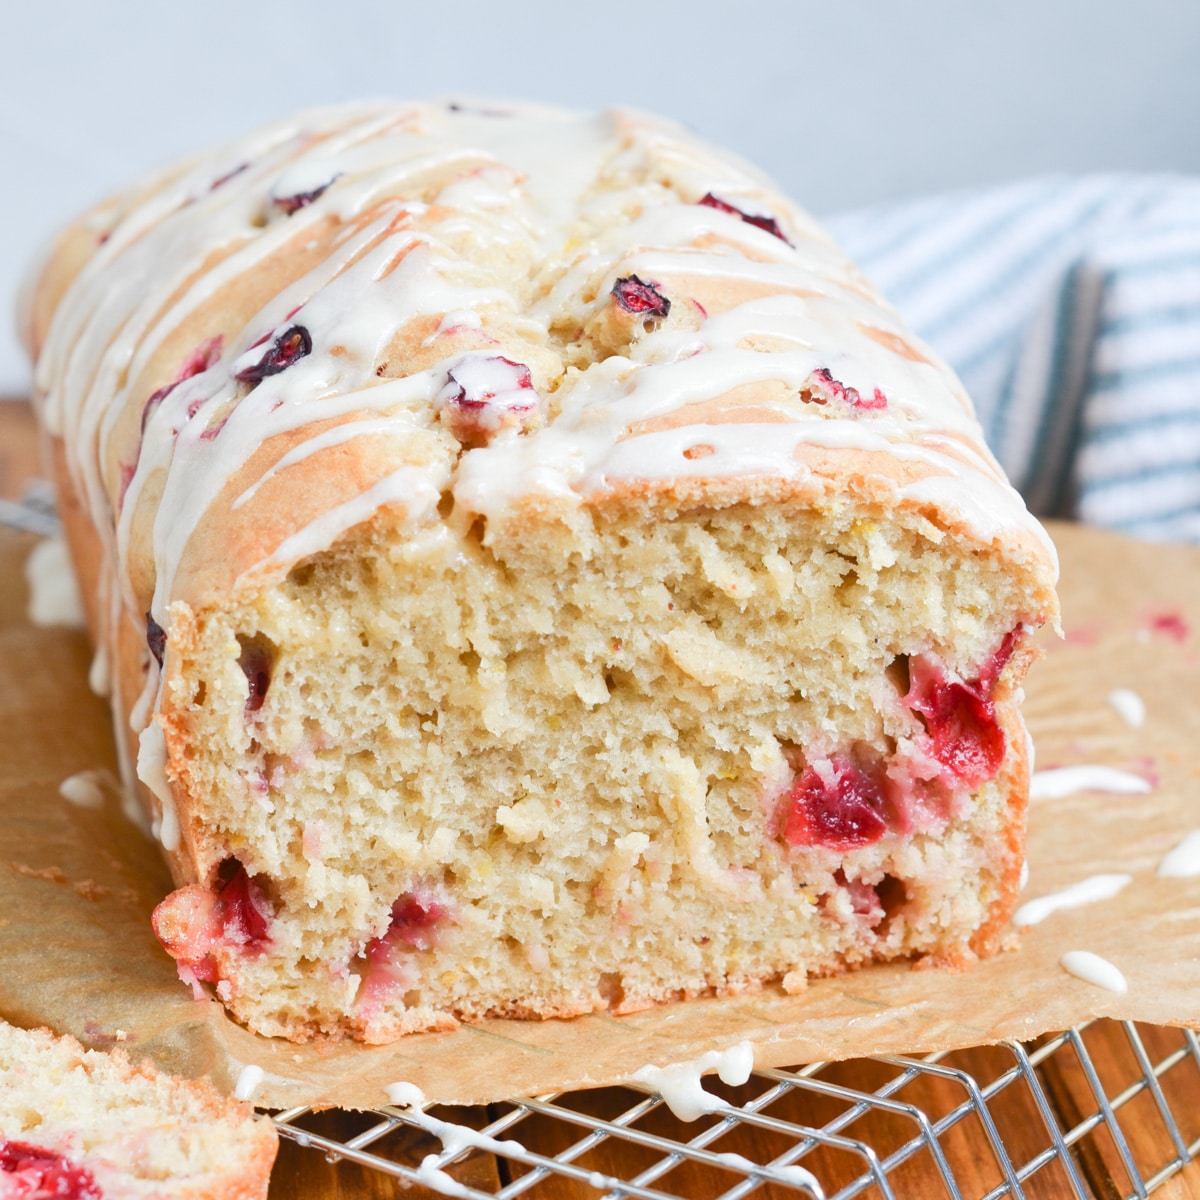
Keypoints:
(1071, 310)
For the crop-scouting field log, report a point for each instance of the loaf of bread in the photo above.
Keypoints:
(86, 1125)
(535, 573)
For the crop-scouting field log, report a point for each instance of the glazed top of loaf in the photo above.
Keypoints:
(388, 305)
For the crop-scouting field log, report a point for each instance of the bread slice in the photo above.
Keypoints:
(85, 1124)
(538, 572)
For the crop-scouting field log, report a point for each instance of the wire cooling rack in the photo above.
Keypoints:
(1107, 1109)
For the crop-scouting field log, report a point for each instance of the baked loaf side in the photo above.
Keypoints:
(88, 1125)
(535, 572)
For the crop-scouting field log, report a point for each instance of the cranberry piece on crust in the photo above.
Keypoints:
(484, 395)
(195, 922)
(821, 388)
(637, 296)
(759, 221)
(156, 639)
(233, 174)
(204, 356)
(291, 204)
(293, 344)
(38, 1172)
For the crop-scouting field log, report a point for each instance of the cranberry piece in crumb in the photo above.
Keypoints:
(256, 660)
(835, 805)
(995, 663)
(244, 912)
(156, 639)
(45, 1173)
(636, 296)
(414, 919)
(821, 388)
(864, 899)
(414, 925)
(293, 344)
(291, 204)
(484, 395)
(768, 224)
(964, 735)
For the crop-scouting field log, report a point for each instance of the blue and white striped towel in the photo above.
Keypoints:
(1071, 310)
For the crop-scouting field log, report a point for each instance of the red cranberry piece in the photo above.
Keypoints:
(204, 356)
(414, 924)
(288, 348)
(256, 660)
(128, 470)
(414, 919)
(822, 387)
(864, 899)
(960, 715)
(837, 806)
(243, 910)
(156, 638)
(769, 224)
(200, 359)
(189, 925)
(299, 200)
(643, 299)
(223, 179)
(483, 395)
(46, 1174)
(995, 663)
(1170, 625)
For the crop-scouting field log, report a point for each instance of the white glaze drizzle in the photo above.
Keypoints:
(679, 1083)
(99, 676)
(152, 771)
(579, 200)
(454, 1138)
(792, 1173)
(1091, 968)
(249, 1080)
(1057, 782)
(1182, 862)
(53, 593)
(88, 789)
(1129, 706)
(1086, 891)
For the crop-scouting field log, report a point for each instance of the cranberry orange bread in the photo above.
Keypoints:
(535, 572)
(87, 1125)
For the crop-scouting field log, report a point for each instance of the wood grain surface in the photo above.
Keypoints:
(1138, 1129)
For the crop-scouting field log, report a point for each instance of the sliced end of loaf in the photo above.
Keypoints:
(596, 761)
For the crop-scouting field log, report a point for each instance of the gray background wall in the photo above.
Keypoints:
(846, 102)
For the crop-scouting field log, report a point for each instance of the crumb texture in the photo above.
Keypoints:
(84, 1124)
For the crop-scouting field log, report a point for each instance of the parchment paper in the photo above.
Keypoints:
(77, 886)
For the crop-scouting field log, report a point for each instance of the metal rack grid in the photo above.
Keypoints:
(1104, 1109)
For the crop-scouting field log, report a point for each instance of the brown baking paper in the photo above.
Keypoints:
(77, 886)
